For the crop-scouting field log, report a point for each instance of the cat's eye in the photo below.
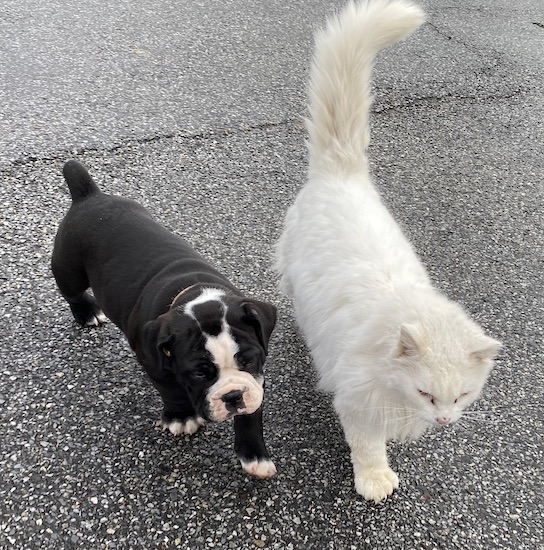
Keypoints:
(427, 396)
(461, 396)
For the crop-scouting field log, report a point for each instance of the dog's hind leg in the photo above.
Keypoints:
(73, 285)
(86, 311)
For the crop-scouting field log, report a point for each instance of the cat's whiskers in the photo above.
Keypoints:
(476, 418)
(476, 415)
(390, 414)
(406, 428)
(386, 408)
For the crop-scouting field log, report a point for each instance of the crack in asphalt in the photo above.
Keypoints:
(494, 59)
(449, 98)
(211, 133)
(497, 57)
(224, 132)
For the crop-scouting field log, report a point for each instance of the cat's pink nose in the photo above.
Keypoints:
(443, 420)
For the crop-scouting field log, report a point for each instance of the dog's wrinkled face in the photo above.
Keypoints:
(216, 345)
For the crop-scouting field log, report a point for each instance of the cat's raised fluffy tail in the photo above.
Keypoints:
(339, 90)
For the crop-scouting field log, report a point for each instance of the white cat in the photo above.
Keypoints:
(396, 353)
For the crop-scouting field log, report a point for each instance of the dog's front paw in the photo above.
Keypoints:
(188, 426)
(376, 485)
(263, 468)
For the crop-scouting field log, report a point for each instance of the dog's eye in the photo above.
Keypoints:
(203, 372)
(245, 362)
(167, 352)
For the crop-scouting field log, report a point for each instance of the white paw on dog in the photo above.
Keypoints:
(96, 320)
(262, 469)
(185, 427)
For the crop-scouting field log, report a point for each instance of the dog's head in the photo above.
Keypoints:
(215, 346)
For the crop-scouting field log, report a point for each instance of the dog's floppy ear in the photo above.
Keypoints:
(159, 341)
(262, 317)
(165, 344)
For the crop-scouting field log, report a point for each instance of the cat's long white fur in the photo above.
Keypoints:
(339, 91)
(396, 353)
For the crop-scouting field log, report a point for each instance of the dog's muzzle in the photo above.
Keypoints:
(236, 392)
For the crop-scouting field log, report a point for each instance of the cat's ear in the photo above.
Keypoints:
(484, 349)
(408, 345)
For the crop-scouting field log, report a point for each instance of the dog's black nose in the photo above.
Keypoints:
(233, 399)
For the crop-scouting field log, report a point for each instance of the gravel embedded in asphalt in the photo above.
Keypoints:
(457, 155)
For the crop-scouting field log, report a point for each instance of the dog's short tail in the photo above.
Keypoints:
(79, 181)
(339, 91)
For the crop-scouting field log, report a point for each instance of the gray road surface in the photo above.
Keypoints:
(194, 108)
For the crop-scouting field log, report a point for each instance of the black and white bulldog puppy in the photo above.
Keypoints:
(201, 342)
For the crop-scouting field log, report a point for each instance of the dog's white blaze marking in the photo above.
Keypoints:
(207, 294)
(223, 348)
(259, 468)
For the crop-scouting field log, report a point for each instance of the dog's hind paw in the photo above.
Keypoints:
(183, 427)
(263, 468)
(97, 319)
(86, 311)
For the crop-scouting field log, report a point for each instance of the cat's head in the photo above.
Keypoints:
(441, 368)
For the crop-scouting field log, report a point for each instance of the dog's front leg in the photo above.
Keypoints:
(179, 416)
(249, 445)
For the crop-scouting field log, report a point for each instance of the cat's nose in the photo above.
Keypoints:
(443, 420)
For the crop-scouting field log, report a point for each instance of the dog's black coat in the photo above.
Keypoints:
(135, 268)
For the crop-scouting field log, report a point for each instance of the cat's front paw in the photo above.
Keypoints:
(376, 485)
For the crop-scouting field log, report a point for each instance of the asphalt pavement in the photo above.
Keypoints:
(195, 109)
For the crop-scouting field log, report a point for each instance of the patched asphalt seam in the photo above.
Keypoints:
(212, 133)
